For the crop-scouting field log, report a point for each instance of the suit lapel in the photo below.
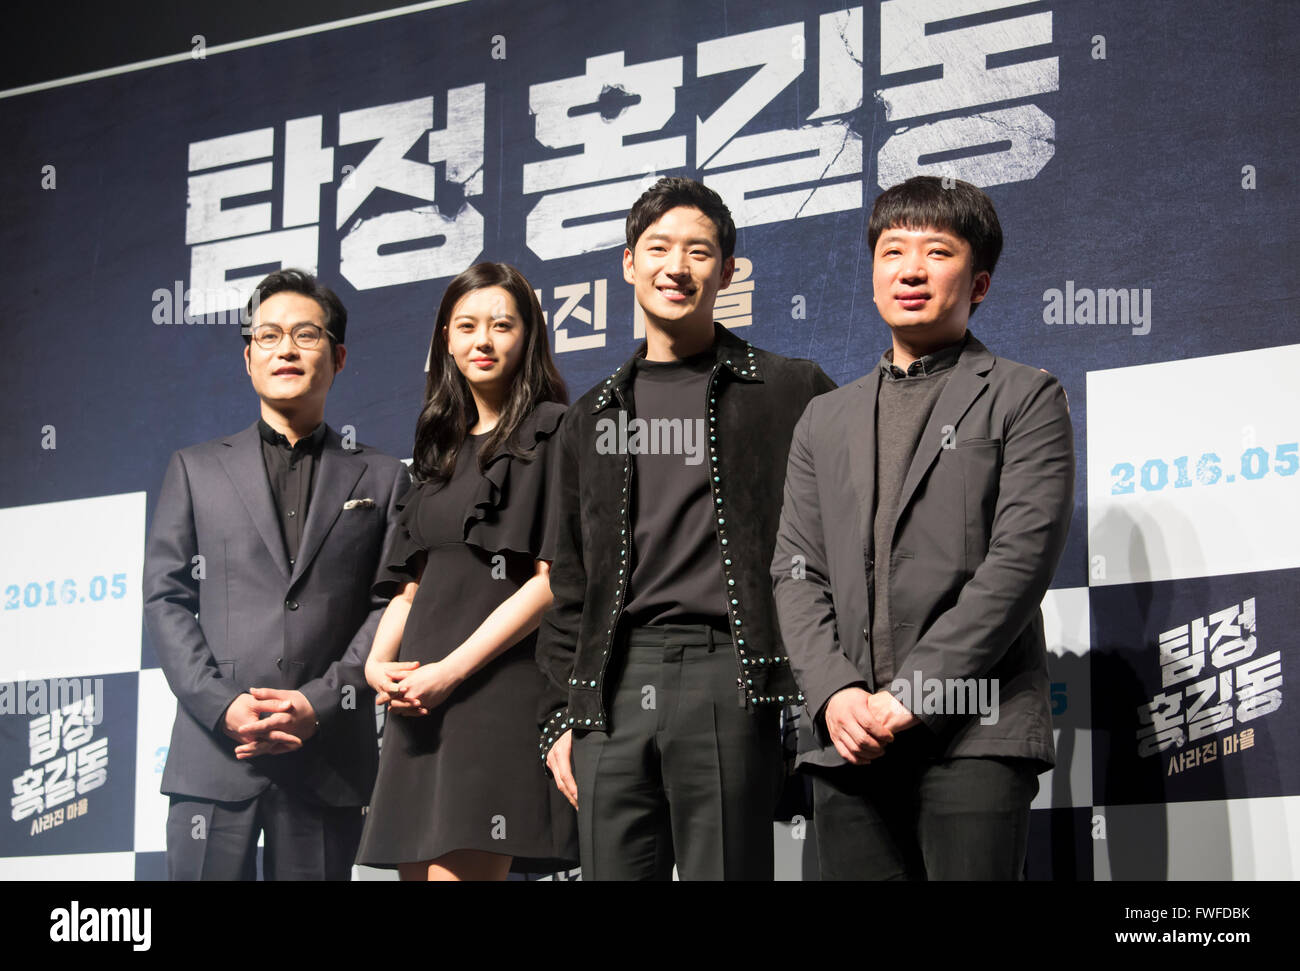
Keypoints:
(862, 453)
(337, 474)
(244, 464)
(969, 378)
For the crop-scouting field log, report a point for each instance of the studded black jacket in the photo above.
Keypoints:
(754, 400)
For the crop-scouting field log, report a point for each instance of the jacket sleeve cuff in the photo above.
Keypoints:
(324, 702)
(218, 725)
(552, 729)
(841, 675)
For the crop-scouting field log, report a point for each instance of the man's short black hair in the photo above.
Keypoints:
(300, 281)
(671, 192)
(926, 201)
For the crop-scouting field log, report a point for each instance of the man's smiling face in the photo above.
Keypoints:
(677, 270)
(288, 374)
(925, 283)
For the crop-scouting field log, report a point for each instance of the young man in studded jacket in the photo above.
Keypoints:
(662, 643)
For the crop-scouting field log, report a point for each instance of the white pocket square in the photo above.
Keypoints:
(359, 504)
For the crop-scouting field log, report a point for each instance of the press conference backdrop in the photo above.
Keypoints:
(1142, 159)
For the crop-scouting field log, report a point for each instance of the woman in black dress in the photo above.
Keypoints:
(459, 795)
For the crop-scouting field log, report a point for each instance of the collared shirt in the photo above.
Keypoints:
(940, 360)
(290, 471)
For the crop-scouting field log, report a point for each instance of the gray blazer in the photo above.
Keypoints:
(982, 521)
(241, 617)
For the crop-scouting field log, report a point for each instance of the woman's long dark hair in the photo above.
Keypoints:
(449, 411)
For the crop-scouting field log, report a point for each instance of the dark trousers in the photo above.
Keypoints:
(685, 773)
(907, 816)
(304, 840)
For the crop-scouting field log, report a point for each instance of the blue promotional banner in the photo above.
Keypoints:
(1195, 701)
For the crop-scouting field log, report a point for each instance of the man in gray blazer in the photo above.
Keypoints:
(926, 507)
(257, 599)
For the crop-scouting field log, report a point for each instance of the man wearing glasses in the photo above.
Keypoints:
(257, 600)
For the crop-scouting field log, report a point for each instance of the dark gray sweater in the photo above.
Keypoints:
(903, 406)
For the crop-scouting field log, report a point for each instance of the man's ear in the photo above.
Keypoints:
(247, 364)
(980, 286)
(627, 266)
(340, 355)
(728, 271)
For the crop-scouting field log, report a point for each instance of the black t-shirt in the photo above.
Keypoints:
(677, 570)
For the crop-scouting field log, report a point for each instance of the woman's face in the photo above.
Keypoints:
(485, 337)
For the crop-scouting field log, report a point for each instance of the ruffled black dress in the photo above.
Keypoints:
(466, 775)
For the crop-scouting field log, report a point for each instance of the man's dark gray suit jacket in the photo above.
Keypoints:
(982, 520)
(261, 623)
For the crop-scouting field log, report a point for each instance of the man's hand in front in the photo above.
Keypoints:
(560, 761)
(282, 721)
(244, 711)
(891, 713)
(855, 725)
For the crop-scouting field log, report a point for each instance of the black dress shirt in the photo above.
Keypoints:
(291, 472)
